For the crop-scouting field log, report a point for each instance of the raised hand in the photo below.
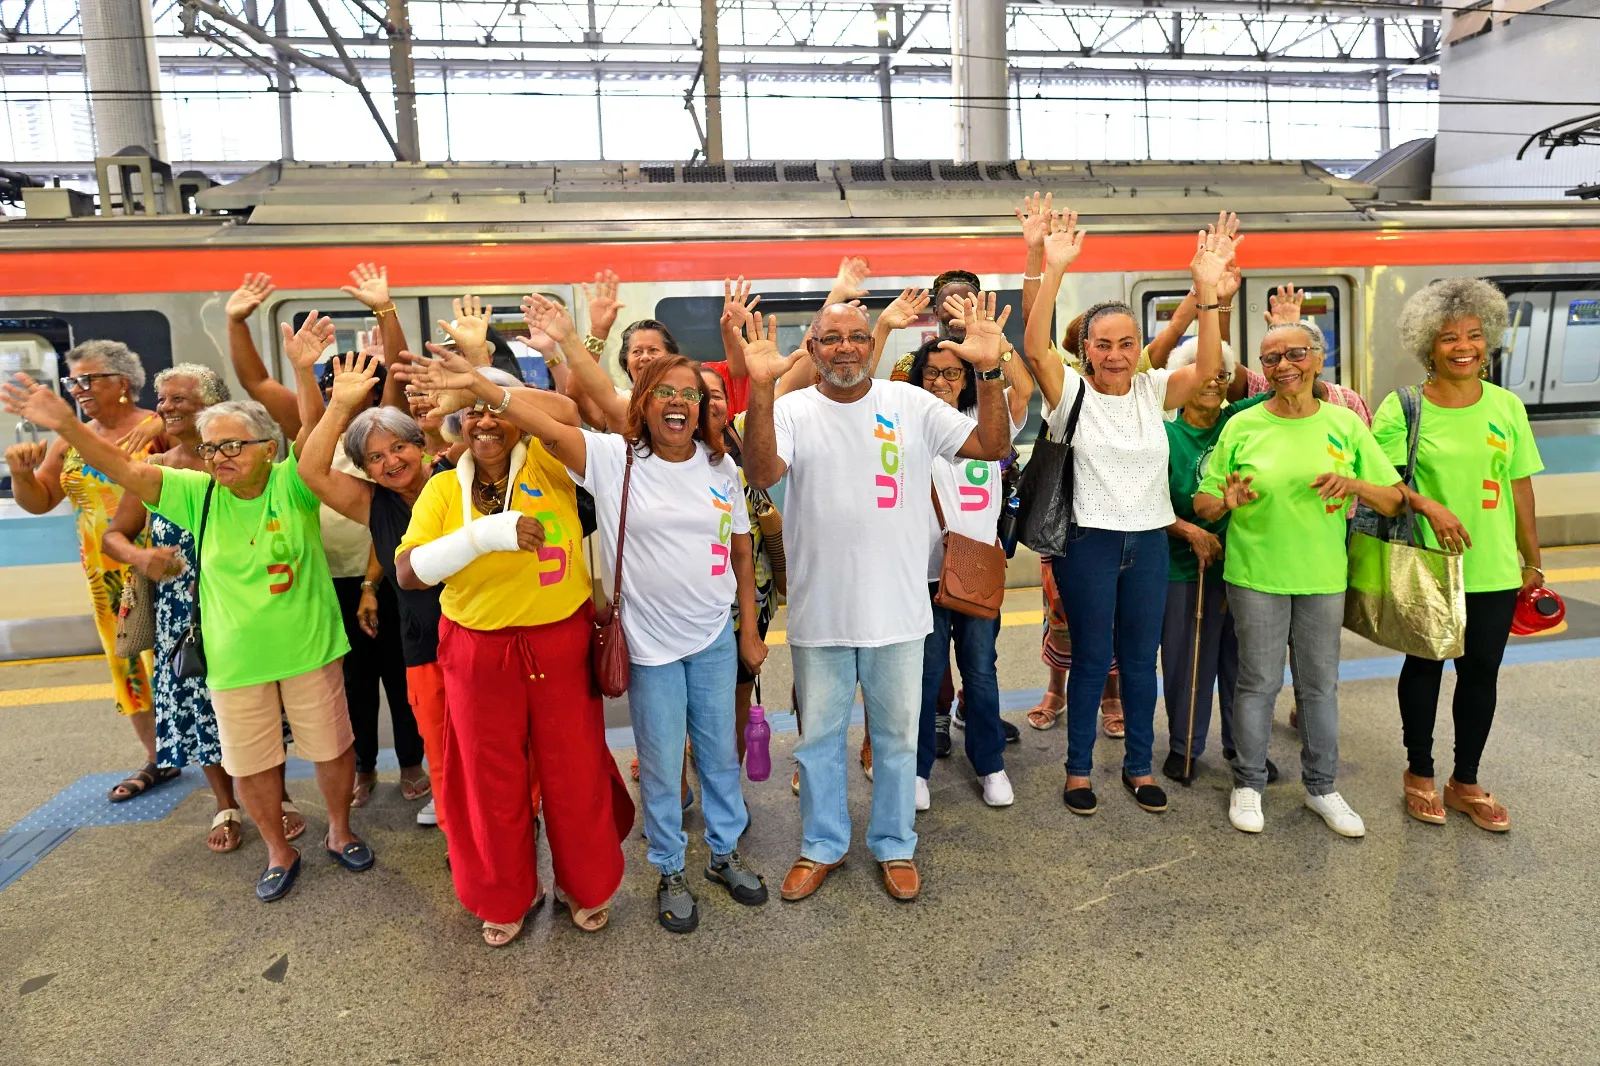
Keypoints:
(982, 344)
(761, 359)
(1228, 287)
(737, 306)
(37, 403)
(1283, 306)
(530, 533)
(470, 330)
(370, 285)
(1035, 215)
(906, 309)
(305, 346)
(602, 300)
(1236, 492)
(546, 316)
(851, 281)
(1213, 250)
(248, 296)
(1064, 241)
(447, 371)
(353, 378)
(1226, 225)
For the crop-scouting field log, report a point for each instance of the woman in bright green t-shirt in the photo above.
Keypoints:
(1283, 473)
(1475, 456)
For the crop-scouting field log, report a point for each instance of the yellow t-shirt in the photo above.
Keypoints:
(520, 588)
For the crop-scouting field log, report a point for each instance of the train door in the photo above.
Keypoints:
(1572, 366)
(1550, 355)
(1327, 304)
(1523, 349)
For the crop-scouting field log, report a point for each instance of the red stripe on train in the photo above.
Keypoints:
(63, 273)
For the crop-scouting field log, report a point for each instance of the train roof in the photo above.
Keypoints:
(306, 203)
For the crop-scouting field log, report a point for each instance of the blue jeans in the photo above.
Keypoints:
(1114, 589)
(890, 679)
(980, 686)
(692, 697)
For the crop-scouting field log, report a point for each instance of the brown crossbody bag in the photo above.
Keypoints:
(972, 579)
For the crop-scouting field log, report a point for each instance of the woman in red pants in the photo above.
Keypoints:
(502, 536)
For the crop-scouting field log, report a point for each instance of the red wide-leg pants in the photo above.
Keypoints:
(520, 698)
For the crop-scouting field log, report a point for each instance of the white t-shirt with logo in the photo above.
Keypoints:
(678, 584)
(858, 509)
(971, 497)
(1119, 454)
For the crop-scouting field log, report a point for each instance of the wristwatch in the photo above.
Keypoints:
(369, 586)
(595, 345)
(994, 374)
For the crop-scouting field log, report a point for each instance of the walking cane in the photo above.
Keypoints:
(1194, 672)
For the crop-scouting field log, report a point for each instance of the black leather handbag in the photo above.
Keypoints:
(1045, 517)
(189, 657)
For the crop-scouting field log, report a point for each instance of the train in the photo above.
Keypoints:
(673, 232)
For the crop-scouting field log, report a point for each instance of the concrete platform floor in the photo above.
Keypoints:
(1040, 937)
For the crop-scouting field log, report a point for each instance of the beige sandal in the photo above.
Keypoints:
(1049, 708)
(232, 825)
(591, 919)
(1111, 720)
(1427, 809)
(1483, 810)
(293, 831)
(414, 788)
(361, 794)
(500, 934)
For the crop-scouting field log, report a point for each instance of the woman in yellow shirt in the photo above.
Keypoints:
(501, 533)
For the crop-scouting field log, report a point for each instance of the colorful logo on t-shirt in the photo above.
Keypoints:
(1340, 454)
(1498, 465)
(552, 557)
(280, 573)
(891, 480)
(722, 501)
(975, 494)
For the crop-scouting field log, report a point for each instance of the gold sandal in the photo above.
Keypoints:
(1481, 809)
(1429, 810)
(1049, 708)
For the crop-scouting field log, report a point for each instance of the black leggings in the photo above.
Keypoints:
(369, 661)
(1477, 673)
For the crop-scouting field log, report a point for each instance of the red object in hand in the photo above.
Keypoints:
(1537, 610)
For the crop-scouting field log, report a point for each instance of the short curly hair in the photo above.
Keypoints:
(117, 357)
(1447, 300)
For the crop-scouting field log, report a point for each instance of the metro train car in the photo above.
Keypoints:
(674, 231)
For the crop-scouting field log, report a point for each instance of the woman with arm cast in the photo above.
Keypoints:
(1283, 473)
(1476, 456)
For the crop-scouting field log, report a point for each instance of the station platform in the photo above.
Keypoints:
(1039, 936)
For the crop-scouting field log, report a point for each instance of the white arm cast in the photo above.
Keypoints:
(450, 554)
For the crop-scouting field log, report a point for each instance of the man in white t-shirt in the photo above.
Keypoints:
(859, 455)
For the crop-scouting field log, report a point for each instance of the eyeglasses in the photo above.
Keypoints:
(1297, 356)
(834, 340)
(667, 393)
(83, 381)
(229, 448)
(949, 373)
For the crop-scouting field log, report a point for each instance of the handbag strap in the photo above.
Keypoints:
(622, 528)
(199, 542)
(1411, 406)
(938, 512)
(1077, 406)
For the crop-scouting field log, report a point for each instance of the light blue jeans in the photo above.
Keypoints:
(692, 697)
(891, 681)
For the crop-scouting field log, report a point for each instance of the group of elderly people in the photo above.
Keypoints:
(1209, 515)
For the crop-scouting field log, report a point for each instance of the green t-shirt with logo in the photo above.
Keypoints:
(1188, 448)
(1289, 541)
(1467, 458)
(267, 606)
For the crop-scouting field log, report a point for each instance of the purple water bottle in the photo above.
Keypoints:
(757, 757)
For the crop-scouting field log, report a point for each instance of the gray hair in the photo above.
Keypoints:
(118, 358)
(253, 415)
(1447, 300)
(1187, 352)
(385, 419)
(1313, 332)
(213, 390)
(452, 421)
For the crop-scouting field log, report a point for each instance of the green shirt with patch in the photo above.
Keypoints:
(1290, 541)
(1467, 458)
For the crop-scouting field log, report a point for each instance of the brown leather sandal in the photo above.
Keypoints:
(1483, 810)
(1049, 708)
(1422, 803)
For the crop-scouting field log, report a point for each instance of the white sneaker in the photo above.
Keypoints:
(997, 789)
(924, 798)
(1337, 813)
(1244, 810)
(428, 816)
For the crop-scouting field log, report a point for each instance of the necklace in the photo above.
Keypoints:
(489, 498)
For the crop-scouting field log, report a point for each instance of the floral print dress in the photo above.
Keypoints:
(186, 724)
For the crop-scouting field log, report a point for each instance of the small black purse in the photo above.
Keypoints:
(189, 657)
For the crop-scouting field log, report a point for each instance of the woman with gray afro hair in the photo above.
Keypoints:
(1473, 483)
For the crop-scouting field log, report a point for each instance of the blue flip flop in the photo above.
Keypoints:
(276, 882)
(354, 856)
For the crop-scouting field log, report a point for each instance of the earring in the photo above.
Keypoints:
(1430, 373)
(1483, 370)
(123, 399)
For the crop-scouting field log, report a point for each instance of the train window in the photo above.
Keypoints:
(1550, 356)
(1516, 348)
(1580, 363)
(1158, 307)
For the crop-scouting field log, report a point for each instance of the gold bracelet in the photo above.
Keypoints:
(379, 312)
(594, 344)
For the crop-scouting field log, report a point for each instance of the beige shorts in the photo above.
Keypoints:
(250, 720)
